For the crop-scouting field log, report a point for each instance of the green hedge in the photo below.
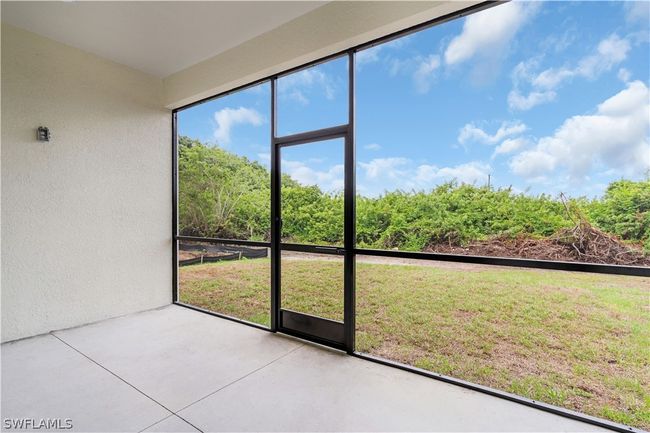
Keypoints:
(228, 196)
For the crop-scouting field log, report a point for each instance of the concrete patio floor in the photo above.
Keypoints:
(174, 369)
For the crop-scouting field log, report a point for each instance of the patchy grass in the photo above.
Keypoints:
(576, 340)
(236, 288)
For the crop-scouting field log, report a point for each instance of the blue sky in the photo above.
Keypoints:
(546, 97)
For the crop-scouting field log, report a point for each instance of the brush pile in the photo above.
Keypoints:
(583, 243)
(580, 243)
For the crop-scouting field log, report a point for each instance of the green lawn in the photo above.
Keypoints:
(575, 340)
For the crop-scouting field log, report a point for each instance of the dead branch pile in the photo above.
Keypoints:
(581, 243)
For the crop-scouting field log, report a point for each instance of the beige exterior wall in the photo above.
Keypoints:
(86, 217)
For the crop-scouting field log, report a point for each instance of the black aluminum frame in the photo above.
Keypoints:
(349, 250)
(174, 206)
(319, 330)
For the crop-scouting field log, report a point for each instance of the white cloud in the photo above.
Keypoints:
(610, 51)
(615, 137)
(228, 117)
(472, 133)
(390, 168)
(297, 96)
(517, 101)
(627, 101)
(523, 74)
(637, 11)
(305, 77)
(424, 73)
(380, 174)
(624, 75)
(330, 180)
(559, 42)
(369, 55)
(509, 145)
(296, 85)
(393, 173)
(489, 33)
(372, 146)
(404, 174)
(533, 164)
(472, 172)
(398, 65)
(372, 54)
(422, 70)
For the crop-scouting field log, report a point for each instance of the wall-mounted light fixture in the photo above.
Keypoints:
(43, 134)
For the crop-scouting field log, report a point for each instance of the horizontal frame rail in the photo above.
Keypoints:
(512, 262)
(443, 257)
(312, 136)
(224, 241)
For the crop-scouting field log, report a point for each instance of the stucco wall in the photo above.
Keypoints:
(85, 217)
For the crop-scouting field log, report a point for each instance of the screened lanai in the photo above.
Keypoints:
(326, 216)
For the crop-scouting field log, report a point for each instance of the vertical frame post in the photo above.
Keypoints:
(349, 239)
(275, 214)
(174, 207)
